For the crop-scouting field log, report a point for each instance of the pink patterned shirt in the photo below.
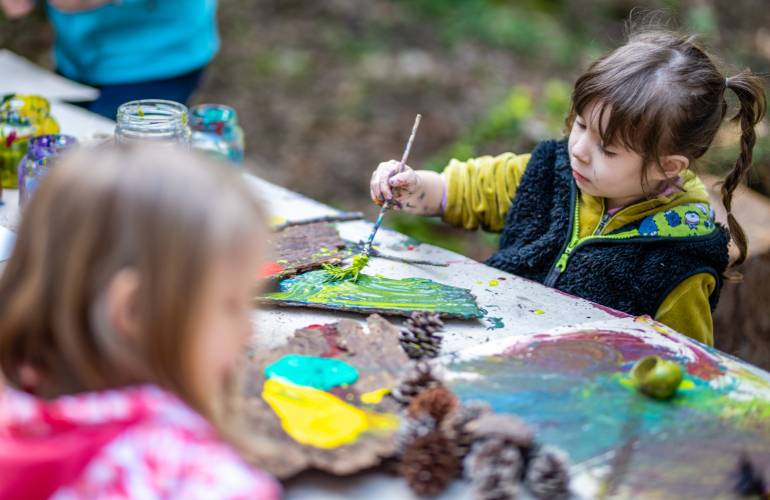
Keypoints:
(135, 442)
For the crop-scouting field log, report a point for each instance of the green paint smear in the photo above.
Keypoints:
(312, 371)
(377, 293)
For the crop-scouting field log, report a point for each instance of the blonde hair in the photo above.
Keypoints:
(164, 214)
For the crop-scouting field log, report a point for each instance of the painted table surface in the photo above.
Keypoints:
(559, 361)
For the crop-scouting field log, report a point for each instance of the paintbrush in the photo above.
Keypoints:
(360, 260)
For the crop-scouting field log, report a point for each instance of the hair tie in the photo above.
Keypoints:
(727, 82)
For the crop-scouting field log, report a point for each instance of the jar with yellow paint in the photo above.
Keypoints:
(21, 118)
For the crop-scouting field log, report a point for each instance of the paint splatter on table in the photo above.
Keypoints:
(376, 294)
(574, 388)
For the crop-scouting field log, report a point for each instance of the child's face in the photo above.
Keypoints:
(224, 321)
(605, 170)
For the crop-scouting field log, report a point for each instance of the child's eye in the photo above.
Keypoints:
(606, 152)
(580, 125)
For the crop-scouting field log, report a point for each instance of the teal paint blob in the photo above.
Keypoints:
(495, 323)
(312, 371)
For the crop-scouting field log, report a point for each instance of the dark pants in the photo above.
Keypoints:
(177, 89)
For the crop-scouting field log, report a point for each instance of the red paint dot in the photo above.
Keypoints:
(271, 269)
(410, 247)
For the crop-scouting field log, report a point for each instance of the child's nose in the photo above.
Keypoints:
(580, 150)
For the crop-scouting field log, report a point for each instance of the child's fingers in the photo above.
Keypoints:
(384, 189)
(384, 182)
(379, 186)
(403, 180)
(374, 188)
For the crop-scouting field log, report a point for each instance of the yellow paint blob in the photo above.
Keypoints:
(539, 311)
(317, 418)
(375, 396)
(277, 220)
(493, 282)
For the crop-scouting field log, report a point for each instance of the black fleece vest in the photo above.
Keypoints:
(632, 275)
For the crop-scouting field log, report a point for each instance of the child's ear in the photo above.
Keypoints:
(122, 303)
(673, 165)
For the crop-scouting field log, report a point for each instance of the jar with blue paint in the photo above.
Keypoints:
(215, 131)
(41, 153)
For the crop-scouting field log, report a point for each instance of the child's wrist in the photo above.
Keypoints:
(443, 196)
(433, 188)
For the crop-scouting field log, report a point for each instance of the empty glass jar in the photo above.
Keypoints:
(153, 120)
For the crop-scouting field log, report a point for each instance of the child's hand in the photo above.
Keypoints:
(413, 191)
(17, 8)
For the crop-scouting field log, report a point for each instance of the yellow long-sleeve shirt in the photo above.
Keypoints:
(480, 191)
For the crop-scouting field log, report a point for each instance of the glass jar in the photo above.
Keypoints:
(153, 120)
(215, 131)
(37, 162)
(21, 117)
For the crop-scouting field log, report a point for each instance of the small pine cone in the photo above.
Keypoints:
(548, 474)
(501, 426)
(421, 335)
(424, 322)
(494, 467)
(411, 428)
(429, 463)
(437, 402)
(455, 424)
(418, 377)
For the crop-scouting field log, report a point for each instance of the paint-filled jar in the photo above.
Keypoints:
(41, 153)
(21, 118)
(215, 131)
(153, 120)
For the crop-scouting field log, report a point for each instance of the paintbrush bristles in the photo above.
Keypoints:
(351, 272)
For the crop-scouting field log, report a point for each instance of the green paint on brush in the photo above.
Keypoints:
(375, 293)
(312, 371)
(351, 272)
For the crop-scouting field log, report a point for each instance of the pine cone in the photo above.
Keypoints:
(437, 402)
(508, 427)
(429, 463)
(421, 335)
(418, 377)
(494, 466)
(455, 424)
(411, 428)
(548, 474)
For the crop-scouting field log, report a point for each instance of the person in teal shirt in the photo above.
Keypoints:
(130, 49)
